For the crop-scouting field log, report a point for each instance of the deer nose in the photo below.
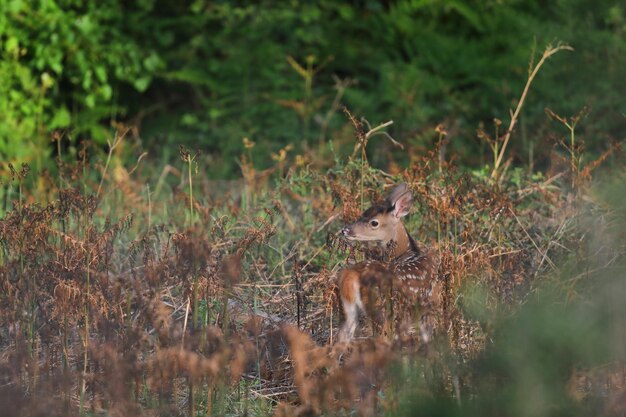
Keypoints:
(346, 231)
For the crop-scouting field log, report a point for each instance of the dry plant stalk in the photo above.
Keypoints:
(143, 356)
(550, 50)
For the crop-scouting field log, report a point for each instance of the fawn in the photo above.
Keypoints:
(409, 275)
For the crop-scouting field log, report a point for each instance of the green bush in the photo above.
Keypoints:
(208, 74)
(67, 63)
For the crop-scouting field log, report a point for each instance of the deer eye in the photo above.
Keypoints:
(374, 223)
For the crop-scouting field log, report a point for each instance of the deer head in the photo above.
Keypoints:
(382, 222)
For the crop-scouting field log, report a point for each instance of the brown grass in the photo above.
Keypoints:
(101, 313)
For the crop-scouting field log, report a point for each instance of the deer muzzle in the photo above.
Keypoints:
(347, 232)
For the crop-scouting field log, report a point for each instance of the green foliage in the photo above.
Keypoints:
(208, 74)
(62, 64)
(22, 100)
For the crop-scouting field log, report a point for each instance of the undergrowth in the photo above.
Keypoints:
(121, 296)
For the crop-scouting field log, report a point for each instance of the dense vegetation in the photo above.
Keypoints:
(207, 74)
(173, 176)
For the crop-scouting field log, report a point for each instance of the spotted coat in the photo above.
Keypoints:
(413, 273)
(411, 280)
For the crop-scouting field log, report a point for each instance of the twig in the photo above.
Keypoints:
(328, 221)
(542, 253)
(182, 338)
(377, 129)
(118, 139)
(547, 54)
(340, 86)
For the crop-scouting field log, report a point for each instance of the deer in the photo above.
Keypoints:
(407, 277)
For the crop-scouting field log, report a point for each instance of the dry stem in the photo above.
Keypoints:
(547, 54)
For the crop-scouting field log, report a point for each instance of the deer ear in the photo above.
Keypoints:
(397, 192)
(400, 200)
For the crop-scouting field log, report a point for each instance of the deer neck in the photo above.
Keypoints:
(402, 241)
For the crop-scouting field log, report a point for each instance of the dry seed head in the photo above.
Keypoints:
(231, 269)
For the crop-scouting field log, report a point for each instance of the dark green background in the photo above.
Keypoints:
(208, 73)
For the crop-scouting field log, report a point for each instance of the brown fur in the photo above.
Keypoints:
(393, 291)
(347, 278)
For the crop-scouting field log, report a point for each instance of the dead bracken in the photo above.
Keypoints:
(186, 304)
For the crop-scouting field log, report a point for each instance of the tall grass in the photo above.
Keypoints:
(95, 305)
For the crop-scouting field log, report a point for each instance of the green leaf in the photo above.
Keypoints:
(46, 80)
(141, 84)
(12, 45)
(189, 120)
(85, 24)
(101, 73)
(189, 75)
(16, 6)
(152, 62)
(61, 118)
(106, 91)
(90, 100)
